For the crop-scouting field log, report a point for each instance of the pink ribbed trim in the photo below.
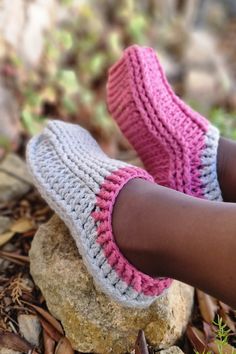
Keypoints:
(112, 185)
(167, 134)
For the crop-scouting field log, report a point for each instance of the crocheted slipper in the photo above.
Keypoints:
(81, 184)
(177, 145)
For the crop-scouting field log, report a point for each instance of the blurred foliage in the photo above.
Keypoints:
(225, 121)
(70, 82)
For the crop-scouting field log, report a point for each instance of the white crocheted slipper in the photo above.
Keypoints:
(81, 184)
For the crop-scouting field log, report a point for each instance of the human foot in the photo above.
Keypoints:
(176, 144)
(81, 184)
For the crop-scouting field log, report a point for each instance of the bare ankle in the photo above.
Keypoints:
(130, 227)
(226, 169)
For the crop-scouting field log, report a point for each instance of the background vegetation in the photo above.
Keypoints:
(87, 37)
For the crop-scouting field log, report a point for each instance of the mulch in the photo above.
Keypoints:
(20, 295)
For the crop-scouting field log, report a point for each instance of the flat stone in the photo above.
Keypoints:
(10, 112)
(5, 223)
(23, 26)
(207, 80)
(14, 178)
(8, 351)
(30, 328)
(172, 350)
(4, 263)
(39, 19)
(200, 86)
(92, 321)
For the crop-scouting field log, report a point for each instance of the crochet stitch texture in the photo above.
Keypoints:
(81, 184)
(176, 144)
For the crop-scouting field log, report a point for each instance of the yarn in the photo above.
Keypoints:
(177, 145)
(81, 184)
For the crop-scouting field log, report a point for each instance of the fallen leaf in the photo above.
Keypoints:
(51, 331)
(197, 339)
(34, 351)
(227, 320)
(209, 332)
(14, 257)
(42, 211)
(49, 343)
(15, 342)
(225, 307)
(30, 233)
(47, 316)
(5, 237)
(22, 225)
(141, 344)
(64, 347)
(208, 306)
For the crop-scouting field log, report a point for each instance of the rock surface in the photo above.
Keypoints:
(10, 123)
(8, 351)
(5, 223)
(14, 178)
(92, 321)
(207, 80)
(23, 25)
(172, 350)
(30, 328)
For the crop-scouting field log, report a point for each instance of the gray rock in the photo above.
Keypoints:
(4, 263)
(14, 178)
(207, 80)
(23, 25)
(5, 223)
(91, 320)
(172, 350)
(30, 328)
(10, 123)
(39, 19)
(8, 351)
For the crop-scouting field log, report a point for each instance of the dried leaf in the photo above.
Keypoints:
(209, 332)
(49, 343)
(22, 225)
(225, 307)
(4, 238)
(208, 306)
(48, 317)
(196, 337)
(51, 331)
(35, 351)
(227, 320)
(15, 342)
(141, 344)
(14, 257)
(64, 347)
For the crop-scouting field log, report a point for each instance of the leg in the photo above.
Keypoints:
(163, 232)
(227, 169)
(166, 233)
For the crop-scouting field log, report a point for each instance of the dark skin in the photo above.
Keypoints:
(167, 233)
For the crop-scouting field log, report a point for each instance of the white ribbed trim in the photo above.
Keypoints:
(209, 177)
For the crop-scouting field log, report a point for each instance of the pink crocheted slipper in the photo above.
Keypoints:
(177, 145)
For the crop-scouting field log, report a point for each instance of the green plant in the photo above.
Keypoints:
(225, 121)
(221, 337)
